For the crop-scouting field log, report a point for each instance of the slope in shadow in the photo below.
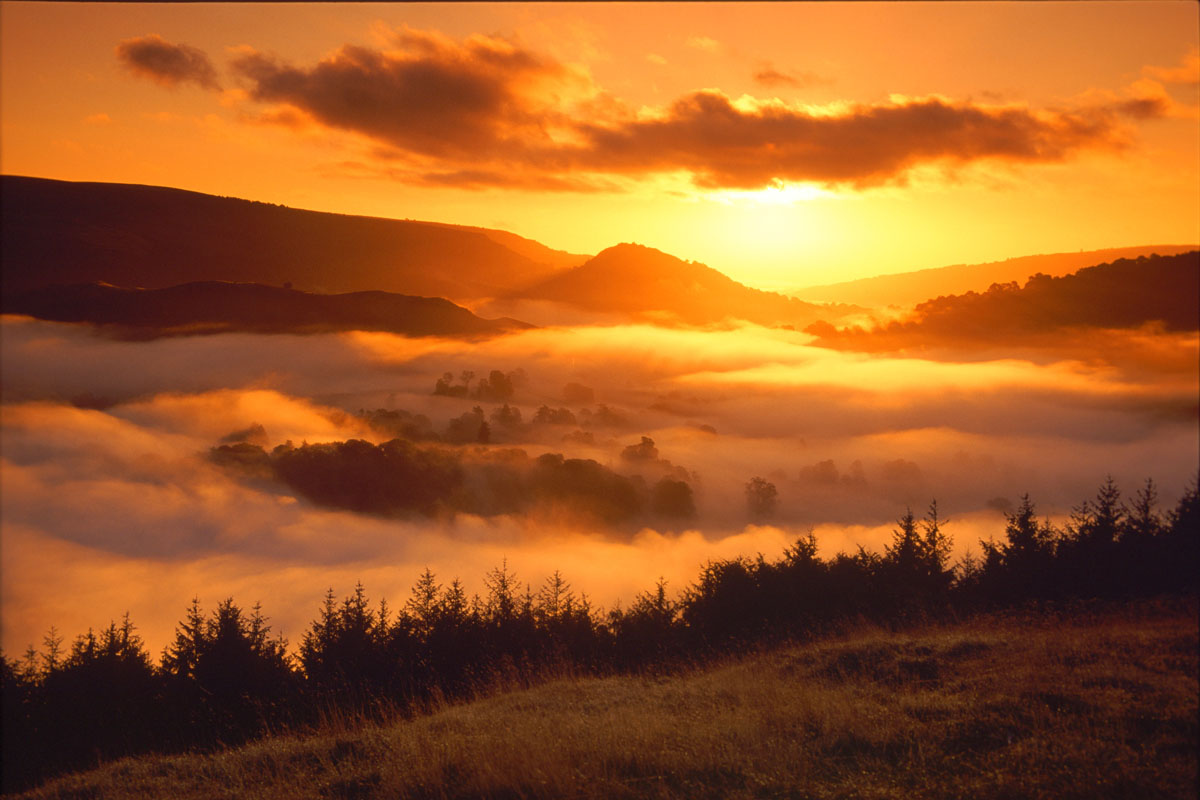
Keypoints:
(218, 307)
(56, 232)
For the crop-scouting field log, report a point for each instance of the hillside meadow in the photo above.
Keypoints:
(1087, 701)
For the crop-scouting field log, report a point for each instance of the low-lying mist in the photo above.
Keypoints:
(114, 499)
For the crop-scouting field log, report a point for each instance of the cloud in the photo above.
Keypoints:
(167, 64)
(485, 111)
(770, 77)
(751, 145)
(118, 506)
(705, 43)
(1186, 73)
(431, 96)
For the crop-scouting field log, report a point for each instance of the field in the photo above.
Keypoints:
(1086, 703)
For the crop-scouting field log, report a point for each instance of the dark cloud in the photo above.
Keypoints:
(724, 145)
(486, 112)
(432, 97)
(168, 64)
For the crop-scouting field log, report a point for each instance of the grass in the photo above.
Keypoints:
(1082, 706)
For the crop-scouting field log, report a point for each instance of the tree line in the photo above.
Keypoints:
(225, 678)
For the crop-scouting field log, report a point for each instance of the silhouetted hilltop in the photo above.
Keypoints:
(641, 281)
(57, 232)
(530, 248)
(217, 307)
(1127, 293)
(910, 288)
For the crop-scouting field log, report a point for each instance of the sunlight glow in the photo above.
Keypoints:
(781, 193)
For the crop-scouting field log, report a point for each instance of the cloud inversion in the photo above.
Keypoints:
(116, 505)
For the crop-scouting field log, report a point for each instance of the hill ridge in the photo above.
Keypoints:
(63, 232)
(915, 286)
(205, 307)
(645, 282)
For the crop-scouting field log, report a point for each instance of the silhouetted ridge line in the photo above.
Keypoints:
(637, 280)
(1159, 291)
(57, 232)
(910, 288)
(220, 307)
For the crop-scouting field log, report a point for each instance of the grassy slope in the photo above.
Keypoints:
(1089, 706)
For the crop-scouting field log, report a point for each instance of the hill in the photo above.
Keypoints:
(58, 232)
(531, 249)
(910, 288)
(1099, 704)
(1127, 293)
(218, 307)
(642, 282)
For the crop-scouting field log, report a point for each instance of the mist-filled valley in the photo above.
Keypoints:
(535, 400)
(613, 443)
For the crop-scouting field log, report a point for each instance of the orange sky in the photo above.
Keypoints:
(785, 144)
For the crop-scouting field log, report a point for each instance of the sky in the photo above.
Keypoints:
(785, 144)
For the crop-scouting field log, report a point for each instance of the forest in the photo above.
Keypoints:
(226, 679)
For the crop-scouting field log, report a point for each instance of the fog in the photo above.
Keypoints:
(112, 501)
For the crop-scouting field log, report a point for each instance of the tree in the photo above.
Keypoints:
(648, 632)
(548, 416)
(102, 702)
(423, 604)
(935, 552)
(643, 451)
(905, 551)
(1021, 565)
(1143, 522)
(506, 416)
(761, 499)
(1091, 562)
(502, 594)
(445, 385)
(672, 498)
(554, 601)
(1181, 541)
(915, 565)
(496, 387)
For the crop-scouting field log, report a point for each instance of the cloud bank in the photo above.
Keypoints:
(486, 111)
(113, 502)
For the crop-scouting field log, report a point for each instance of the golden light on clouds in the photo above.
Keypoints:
(771, 104)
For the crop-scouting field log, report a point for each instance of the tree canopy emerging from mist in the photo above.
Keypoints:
(400, 477)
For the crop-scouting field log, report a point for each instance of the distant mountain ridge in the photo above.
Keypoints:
(59, 232)
(1162, 291)
(206, 307)
(910, 288)
(636, 280)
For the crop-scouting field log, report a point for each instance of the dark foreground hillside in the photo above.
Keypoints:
(1081, 704)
